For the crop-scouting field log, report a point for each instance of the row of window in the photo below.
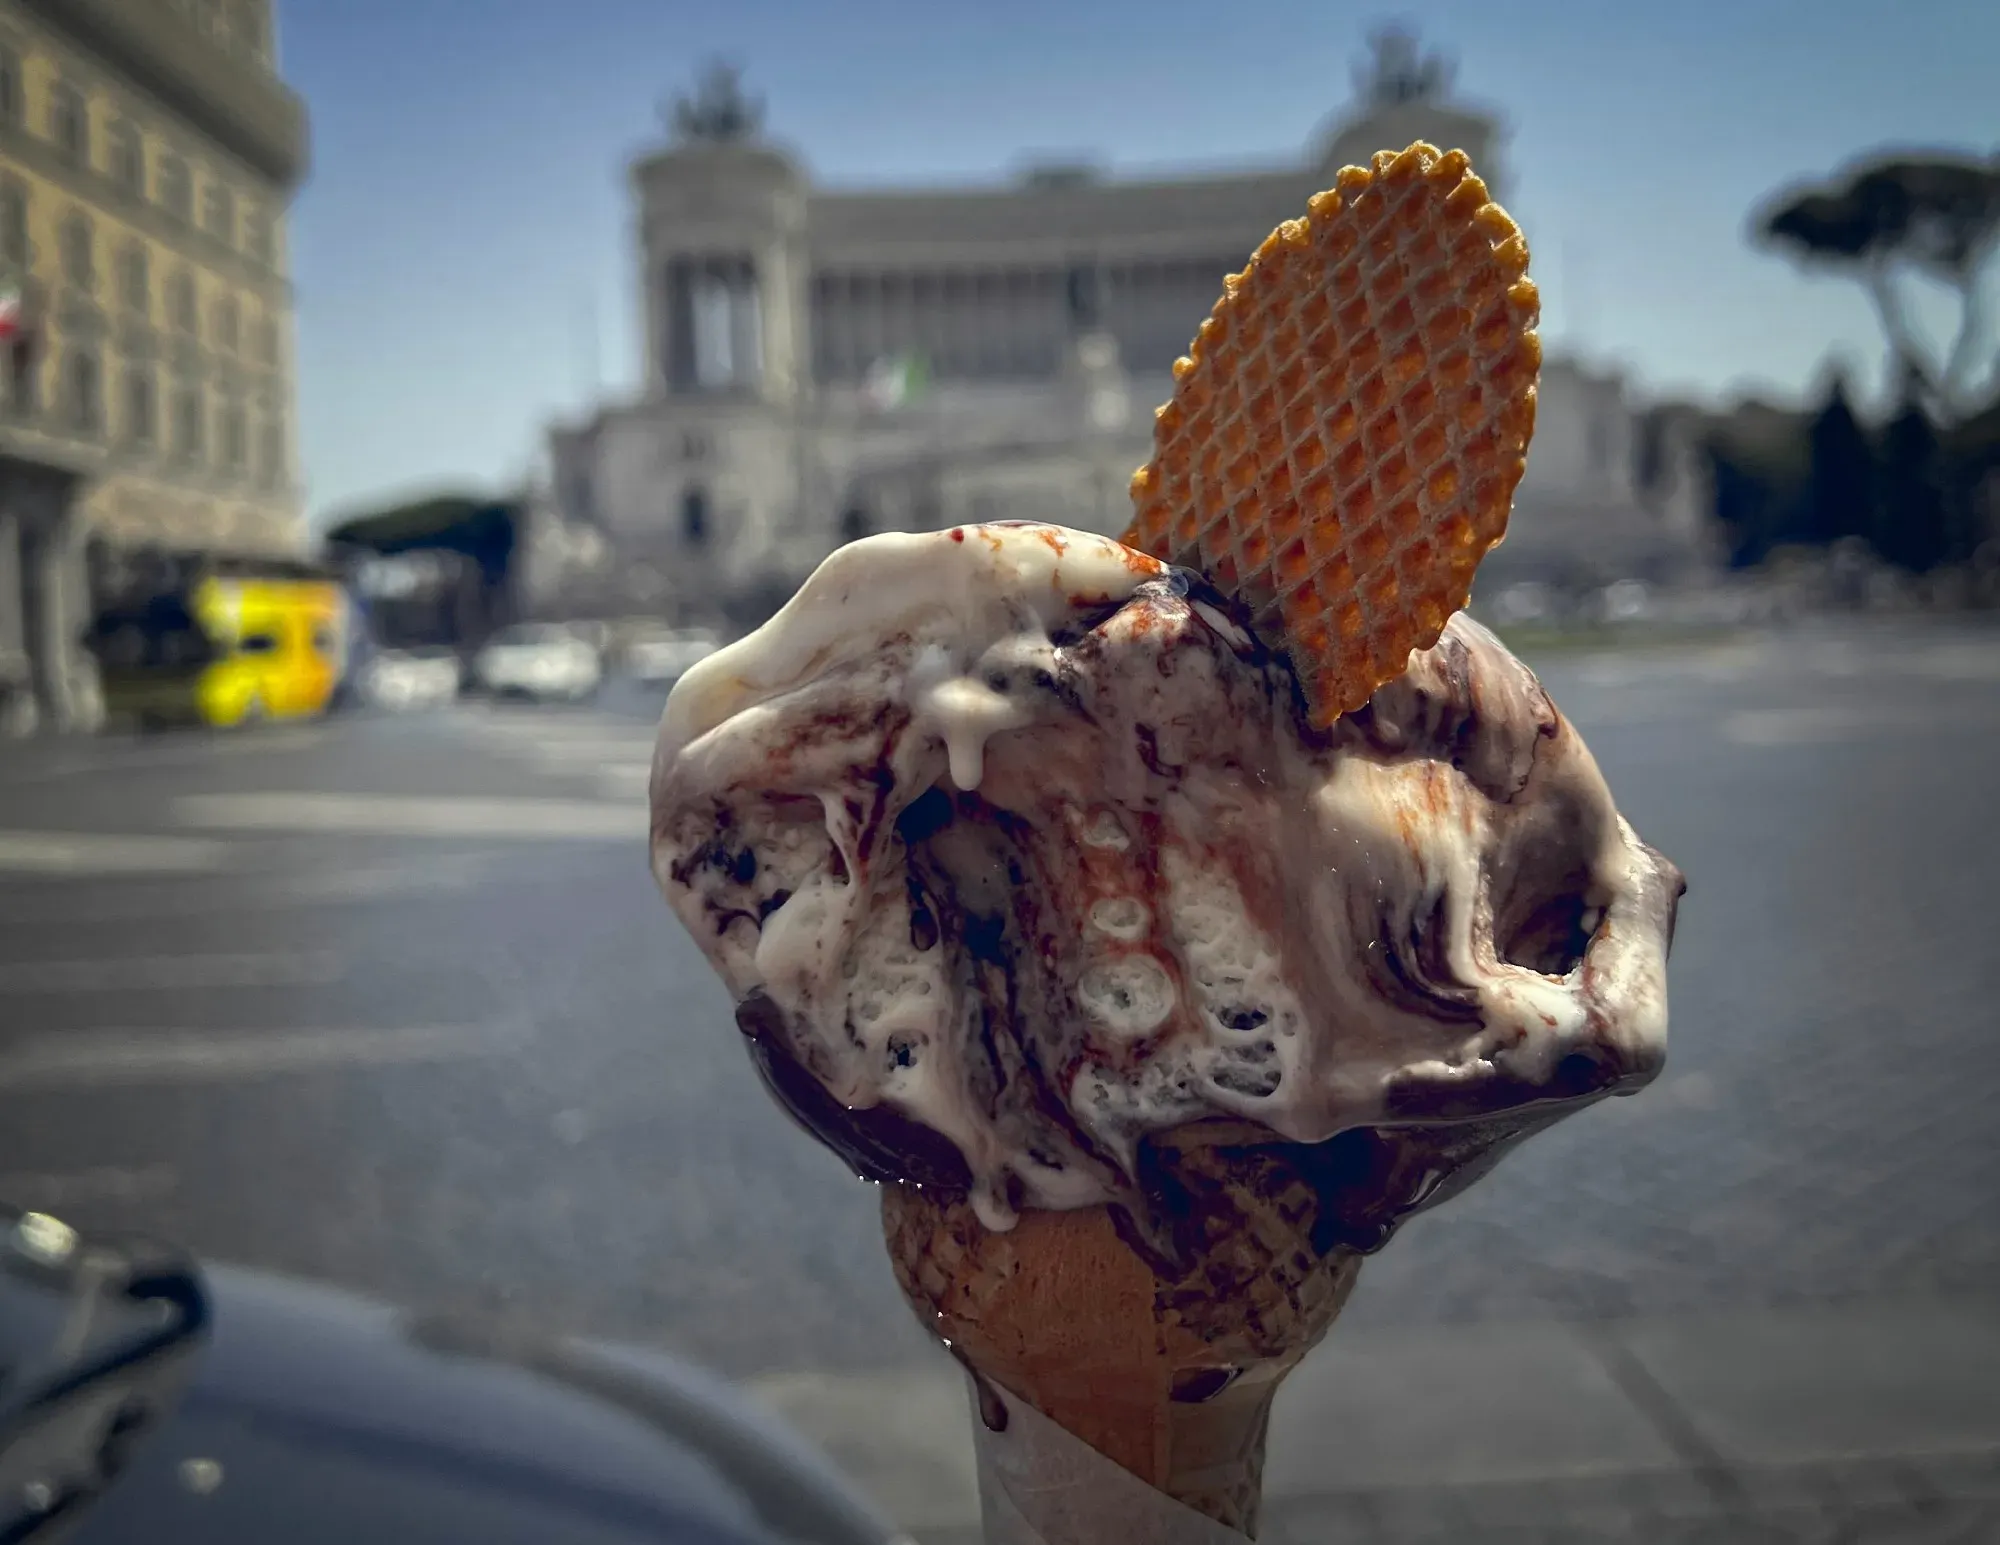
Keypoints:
(80, 410)
(1174, 279)
(171, 185)
(77, 240)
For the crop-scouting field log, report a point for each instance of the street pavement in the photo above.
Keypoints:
(392, 1002)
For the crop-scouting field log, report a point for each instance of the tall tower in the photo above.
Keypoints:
(1403, 94)
(722, 241)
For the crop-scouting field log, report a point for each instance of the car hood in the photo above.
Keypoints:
(312, 1415)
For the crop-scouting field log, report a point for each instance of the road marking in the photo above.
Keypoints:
(396, 816)
(171, 973)
(373, 882)
(569, 753)
(1797, 726)
(1825, 723)
(623, 783)
(122, 754)
(1974, 661)
(54, 1192)
(95, 853)
(97, 1059)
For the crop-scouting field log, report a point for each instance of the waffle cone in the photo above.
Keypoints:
(1347, 430)
(1168, 1370)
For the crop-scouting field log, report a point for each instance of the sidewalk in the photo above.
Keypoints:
(1855, 1424)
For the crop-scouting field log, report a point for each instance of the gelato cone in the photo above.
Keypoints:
(1161, 923)
(1167, 1367)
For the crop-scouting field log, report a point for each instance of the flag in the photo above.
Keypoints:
(897, 382)
(10, 312)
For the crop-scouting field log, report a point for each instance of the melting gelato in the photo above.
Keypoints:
(1016, 850)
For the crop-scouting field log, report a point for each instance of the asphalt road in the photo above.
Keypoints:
(393, 1002)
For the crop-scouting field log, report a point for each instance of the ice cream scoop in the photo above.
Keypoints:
(1017, 839)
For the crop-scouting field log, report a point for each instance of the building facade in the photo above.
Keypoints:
(148, 153)
(821, 363)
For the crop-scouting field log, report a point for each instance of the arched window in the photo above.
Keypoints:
(218, 213)
(180, 301)
(176, 188)
(694, 516)
(141, 408)
(14, 225)
(234, 435)
(266, 336)
(228, 329)
(23, 379)
(69, 122)
(187, 421)
(83, 392)
(79, 250)
(10, 85)
(257, 234)
(128, 158)
(135, 288)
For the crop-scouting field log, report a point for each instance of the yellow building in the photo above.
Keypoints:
(148, 153)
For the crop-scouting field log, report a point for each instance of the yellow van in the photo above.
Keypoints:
(278, 648)
(233, 651)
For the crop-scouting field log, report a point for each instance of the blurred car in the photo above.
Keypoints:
(663, 657)
(404, 679)
(539, 660)
(148, 1397)
(1531, 601)
(1627, 600)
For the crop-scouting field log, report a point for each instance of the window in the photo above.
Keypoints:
(69, 122)
(10, 85)
(233, 435)
(180, 301)
(257, 234)
(694, 517)
(23, 380)
(135, 287)
(176, 190)
(79, 250)
(187, 422)
(266, 334)
(271, 454)
(141, 410)
(83, 394)
(228, 329)
(14, 225)
(715, 324)
(128, 159)
(218, 213)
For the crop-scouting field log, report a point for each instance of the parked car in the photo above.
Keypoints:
(663, 657)
(150, 1397)
(404, 679)
(539, 660)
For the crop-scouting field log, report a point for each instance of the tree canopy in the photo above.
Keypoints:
(1889, 217)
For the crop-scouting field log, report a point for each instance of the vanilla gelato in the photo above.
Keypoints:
(1016, 851)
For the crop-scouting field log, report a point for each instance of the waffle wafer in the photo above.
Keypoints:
(1346, 433)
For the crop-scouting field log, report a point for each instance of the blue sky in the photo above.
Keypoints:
(466, 215)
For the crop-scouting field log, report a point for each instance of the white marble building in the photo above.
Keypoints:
(821, 363)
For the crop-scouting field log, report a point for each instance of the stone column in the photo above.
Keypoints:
(56, 583)
(18, 714)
